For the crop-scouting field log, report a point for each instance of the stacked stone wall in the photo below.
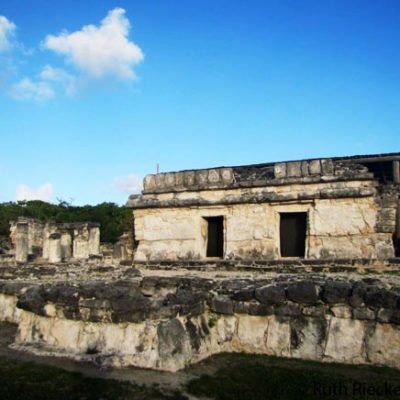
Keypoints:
(168, 323)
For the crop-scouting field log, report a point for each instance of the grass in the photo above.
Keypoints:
(20, 380)
(228, 377)
(252, 377)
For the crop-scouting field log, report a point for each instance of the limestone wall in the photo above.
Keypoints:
(304, 171)
(74, 240)
(167, 324)
(337, 227)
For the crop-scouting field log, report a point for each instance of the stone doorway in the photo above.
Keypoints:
(293, 232)
(215, 237)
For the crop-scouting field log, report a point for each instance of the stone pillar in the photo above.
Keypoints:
(94, 240)
(398, 221)
(81, 242)
(66, 246)
(21, 242)
(48, 229)
(396, 171)
(55, 248)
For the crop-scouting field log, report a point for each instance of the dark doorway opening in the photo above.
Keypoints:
(293, 230)
(215, 236)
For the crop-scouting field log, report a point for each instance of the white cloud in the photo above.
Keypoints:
(130, 184)
(50, 81)
(27, 89)
(44, 192)
(59, 77)
(7, 29)
(100, 51)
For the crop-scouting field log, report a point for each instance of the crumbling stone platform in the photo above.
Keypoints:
(169, 318)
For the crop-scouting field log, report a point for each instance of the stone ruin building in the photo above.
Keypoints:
(295, 259)
(336, 208)
(50, 242)
(54, 242)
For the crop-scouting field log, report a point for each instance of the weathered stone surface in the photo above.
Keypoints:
(364, 313)
(32, 300)
(341, 311)
(380, 297)
(245, 294)
(345, 340)
(336, 292)
(142, 335)
(213, 176)
(222, 305)
(271, 294)
(293, 169)
(307, 337)
(314, 167)
(251, 333)
(173, 345)
(278, 338)
(260, 309)
(383, 345)
(22, 243)
(327, 167)
(149, 183)
(303, 292)
(287, 309)
(280, 170)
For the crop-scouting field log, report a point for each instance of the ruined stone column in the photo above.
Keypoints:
(48, 229)
(94, 240)
(21, 242)
(81, 242)
(66, 246)
(55, 248)
(396, 171)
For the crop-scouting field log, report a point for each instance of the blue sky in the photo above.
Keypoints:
(93, 94)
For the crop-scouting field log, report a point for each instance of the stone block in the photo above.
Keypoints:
(336, 292)
(179, 179)
(315, 167)
(288, 310)
(293, 169)
(304, 168)
(213, 176)
(380, 297)
(222, 305)
(66, 246)
(260, 309)
(173, 345)
(189, 178)
(271, 294)
(226, 175)
(55, 248)
(313, 311)
(251, 333)
(149, 183)
(388, 315)
(341, 311)
(303, 292)
(327, 167)
(202, 177)
(170, 180)
(280, 170)
(160, 181)
(383, 345)
(364, 313)
(94, 240)
(21, 242)
(307, 337)
(245, 294)
(345, 340)
(278, 338)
